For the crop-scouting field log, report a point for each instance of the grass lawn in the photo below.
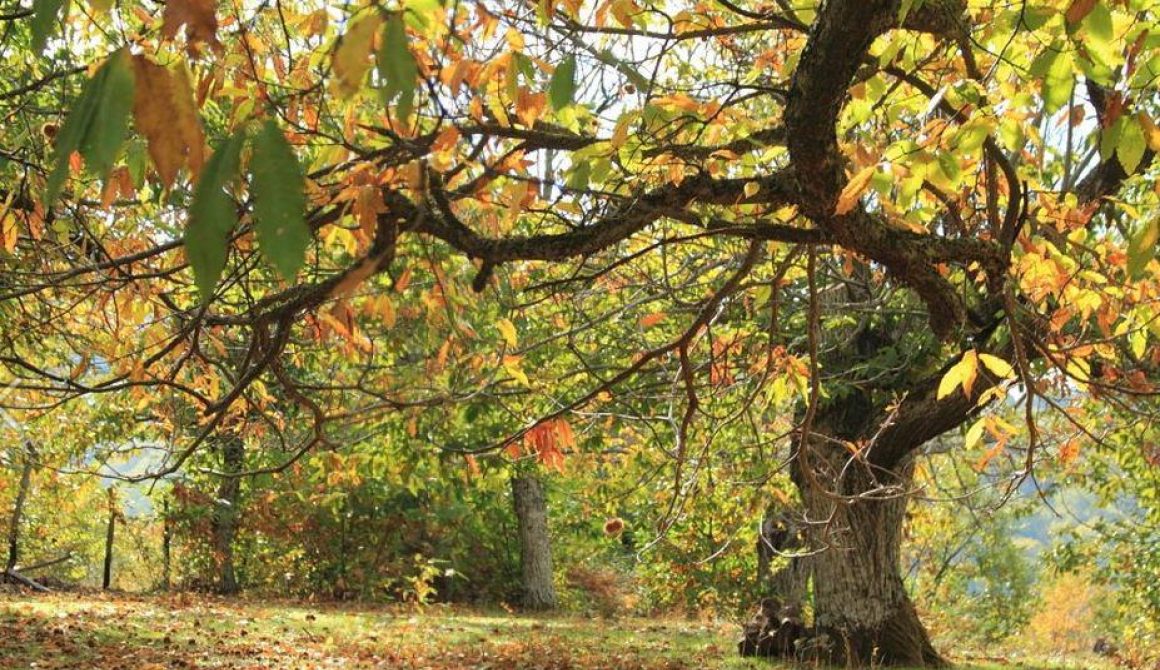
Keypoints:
(82, 632)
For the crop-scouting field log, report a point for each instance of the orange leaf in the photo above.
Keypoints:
(546, 438)
(529, 106)
(650, 320)
(854, 190)
(403, 281)
(355, 277)
(446, 139)
(368, 204)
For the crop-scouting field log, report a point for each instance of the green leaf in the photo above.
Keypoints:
(279, 201)
(1142, 247)
(906, 7)
(110, 123)
(948, 164)
(1110, 138)
(637, 79)
(45, 15)
(68, 139)
(1035, 17)
(563, 84)
(212, 216)
(397, 67)
(417, 14)
(97, 124)
(973, 134)
(1099, 39)
(1131, 145)
(581, 173)
(1058, 82)
(1098, 24)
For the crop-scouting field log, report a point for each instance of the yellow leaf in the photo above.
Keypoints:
(352, 57)
(8, 231)
(620, 134)
(512, 365)
(997, 365)
(974, 434)
(751, 189)
(1151, 132)
(970, 364)
(962, 374)
(508, 331)
(165, 113)
(854, 190)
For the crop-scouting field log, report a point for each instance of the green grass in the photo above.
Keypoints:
(194, 633)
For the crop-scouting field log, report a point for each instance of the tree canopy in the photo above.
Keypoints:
(814, 235)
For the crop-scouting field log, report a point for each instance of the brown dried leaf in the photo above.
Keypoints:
(198, 17)
(1078, 9)
(164, 110)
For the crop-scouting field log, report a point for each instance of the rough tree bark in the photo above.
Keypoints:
(226, 513)
(862, 613)
(850, 521)
(531, 509)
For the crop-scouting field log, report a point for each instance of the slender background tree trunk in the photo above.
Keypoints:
(226, 514)
(535, 544)
(166, 548)
(29, 462)
(110, 536)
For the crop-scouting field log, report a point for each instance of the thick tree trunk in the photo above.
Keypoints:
(535, 545)
(862, 614)
(226, 514)
(851, 517)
